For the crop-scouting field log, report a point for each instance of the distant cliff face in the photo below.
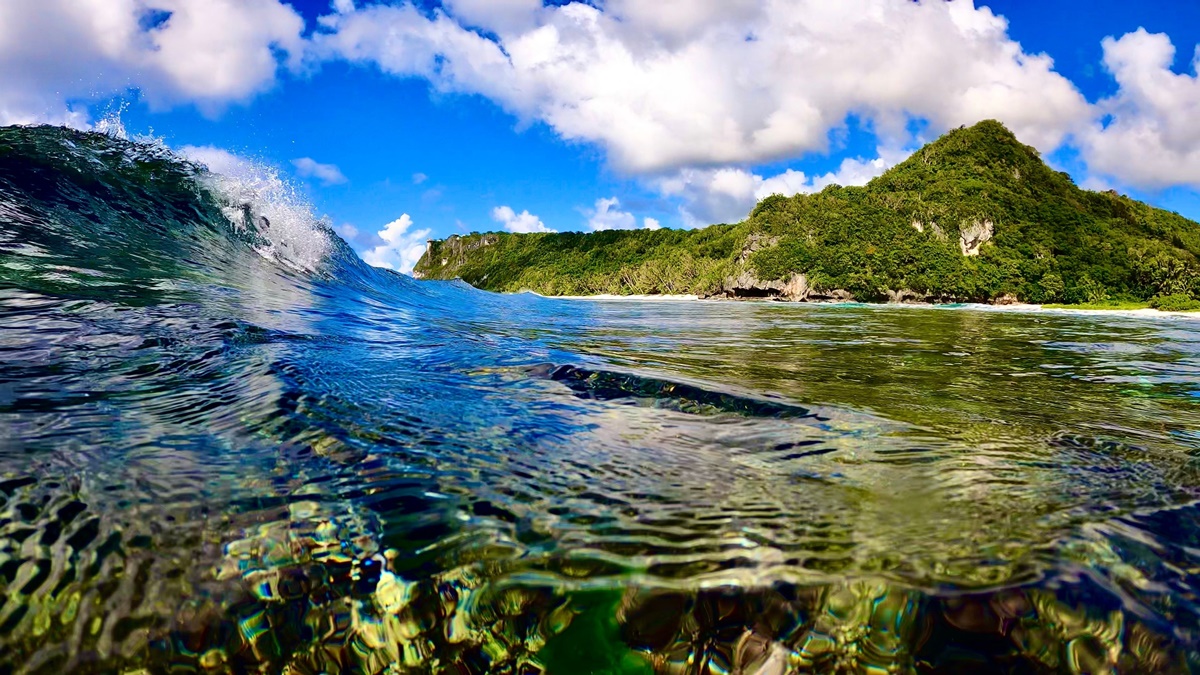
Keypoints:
(450, 254)
(975, 215)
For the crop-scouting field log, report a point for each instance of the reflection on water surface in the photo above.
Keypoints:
(714, 488)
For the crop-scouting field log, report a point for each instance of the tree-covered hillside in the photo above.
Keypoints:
(975, 215)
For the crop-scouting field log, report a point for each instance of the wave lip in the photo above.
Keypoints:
(87, 209)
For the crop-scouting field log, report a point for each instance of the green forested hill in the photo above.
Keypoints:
(975, 215)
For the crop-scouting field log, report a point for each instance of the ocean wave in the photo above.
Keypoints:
(229, 445)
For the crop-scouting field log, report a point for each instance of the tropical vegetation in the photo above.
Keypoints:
(973, 216)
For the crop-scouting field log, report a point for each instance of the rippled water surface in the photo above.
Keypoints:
(226, 445)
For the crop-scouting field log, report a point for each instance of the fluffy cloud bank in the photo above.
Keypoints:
(523, 222)
(1152, 138)
(691, 92)
(328, 174)
(607, 215)
(217, 160)
(205, 52)
(697, 82)
(401, 249)
(726, 195)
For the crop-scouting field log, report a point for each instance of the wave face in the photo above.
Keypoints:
(227, 445)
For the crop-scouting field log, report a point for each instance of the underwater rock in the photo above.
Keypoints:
(612, 386)
(876, 627)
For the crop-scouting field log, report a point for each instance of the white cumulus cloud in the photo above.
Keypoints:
(607, 215)
(496, 15)
(217, 160)
(1152, 135)
(401, 249)
(523, 222)
(727, 194)
(328, 174)
(680, 83)
(347, 231)
(206, 52)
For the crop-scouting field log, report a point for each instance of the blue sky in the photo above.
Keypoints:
(682, 111)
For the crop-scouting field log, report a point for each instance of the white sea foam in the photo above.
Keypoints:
(254, 194)
(111, 124)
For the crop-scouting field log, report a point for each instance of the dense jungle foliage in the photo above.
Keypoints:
(1032, 234)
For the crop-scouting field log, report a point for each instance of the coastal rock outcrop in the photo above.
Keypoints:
(972, 236)
(835, 295)
(906, 295)
(755, 243)
(457, 247)
(747, 285)
(793, 289)
(451, 253)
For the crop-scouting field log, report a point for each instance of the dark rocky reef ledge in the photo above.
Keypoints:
(746, 286)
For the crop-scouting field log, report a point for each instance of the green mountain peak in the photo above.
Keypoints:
(986, 152)
(976, 215)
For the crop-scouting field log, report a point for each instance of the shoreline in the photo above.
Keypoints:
(608, 297)
(1144, 312)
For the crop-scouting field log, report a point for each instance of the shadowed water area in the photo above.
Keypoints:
(227, 445)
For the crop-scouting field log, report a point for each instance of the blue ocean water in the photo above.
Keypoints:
(228, 445)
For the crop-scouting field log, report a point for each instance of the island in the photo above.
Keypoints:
(975, 216)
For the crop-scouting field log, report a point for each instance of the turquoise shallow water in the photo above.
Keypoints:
(229, 446)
